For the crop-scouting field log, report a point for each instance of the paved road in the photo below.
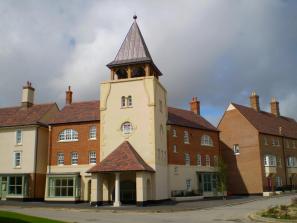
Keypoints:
(224, 214)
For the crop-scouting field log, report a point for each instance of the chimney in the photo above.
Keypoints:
(254, 100)
(274, 107)
(195, 106)
(69, 96)
(28, 95)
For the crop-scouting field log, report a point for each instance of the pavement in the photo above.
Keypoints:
(232, 210)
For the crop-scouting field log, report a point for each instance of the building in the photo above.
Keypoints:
(137, 158)
(74, 148)
(259, 147)
(24, 146)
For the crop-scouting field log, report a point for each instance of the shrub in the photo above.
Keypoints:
(294, 200)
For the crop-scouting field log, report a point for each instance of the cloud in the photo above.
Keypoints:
(218, 51)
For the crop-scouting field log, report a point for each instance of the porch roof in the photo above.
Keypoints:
(123, 158)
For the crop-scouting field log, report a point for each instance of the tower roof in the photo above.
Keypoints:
(133, 50)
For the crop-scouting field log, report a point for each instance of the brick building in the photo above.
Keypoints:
(259, 147)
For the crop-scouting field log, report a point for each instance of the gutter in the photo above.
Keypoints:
(35, 159)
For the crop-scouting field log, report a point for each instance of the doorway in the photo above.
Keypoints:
(127, 192)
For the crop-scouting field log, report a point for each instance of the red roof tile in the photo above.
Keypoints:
(16, 116)
(78, 112)
(268, 123)
(188, 119)
(123, 158)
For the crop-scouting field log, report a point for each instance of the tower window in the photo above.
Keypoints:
(121, 73)
(129, 101)
(138, 72)
(123, 101)
(127, 128)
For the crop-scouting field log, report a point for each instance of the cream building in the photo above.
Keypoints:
(23, 146)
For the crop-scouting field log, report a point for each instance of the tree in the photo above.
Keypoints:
(222, 177)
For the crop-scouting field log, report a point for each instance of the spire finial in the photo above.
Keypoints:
(135, 17)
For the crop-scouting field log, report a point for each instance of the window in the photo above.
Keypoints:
(294, 145)
(123, 101)
(93, 132)
(207, 160)
(174, 132)
(207, 184)
(236, 149)
(17, 159)
(127, 128)
(291, 161)
(161, 106)
(206, 140)
(278, 181)
(18, 137)
(188, 185)
(92, 157)
(74, 158)
(63, 187)
(186, 137)
(215, 160)
(174, 149)
(68, 135)
(269, 160)
(60, 158)
(15, 185)
(129, 101)
(199, 163)
(275, 142)
(279, 161)
(176, 170)
(187, 159)
(287, 143)
(265, 140)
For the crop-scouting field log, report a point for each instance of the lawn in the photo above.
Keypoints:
(12, 217)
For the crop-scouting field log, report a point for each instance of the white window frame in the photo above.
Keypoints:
(176, 170)
(18, 137)
(279, 161)
(93, 132)
(265, 140)
(17, 163)
(199, 160)
(278, 181)
(207, 160)
(206, 140)
(123, 102)
(74, 158)
(60, 159)
(129, 101)
(186, 137)
(174, 148)
(188, 184)
(92, 157)
(236, 149)
(174, 133)
(270, 160)
(127, 128)
(291, 161)
(68, 135)
(187, 159)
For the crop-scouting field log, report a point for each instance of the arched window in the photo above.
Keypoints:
(206, 140)
(123, 101)
(129, 101)
(127, 128)
(138, 72)
(68, 135)
(122, 74)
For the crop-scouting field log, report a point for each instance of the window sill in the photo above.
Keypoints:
(76, 140)
(92, 139)
(186, 143)
(19, 144)
(17, 167)
(92, 164)
(126, 107)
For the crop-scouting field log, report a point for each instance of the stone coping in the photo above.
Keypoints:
(257, 217)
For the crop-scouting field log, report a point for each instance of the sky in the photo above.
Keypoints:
(219, 51)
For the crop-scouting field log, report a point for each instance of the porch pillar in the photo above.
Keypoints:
(141, 188)
(96, 189)
(117, 201)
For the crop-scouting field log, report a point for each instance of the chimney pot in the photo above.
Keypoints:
(195, 105)
(69, 96)
(254, 101)
(274, 107)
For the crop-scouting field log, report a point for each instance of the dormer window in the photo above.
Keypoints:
(206, 140)
(68, 135)
(127, 128)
